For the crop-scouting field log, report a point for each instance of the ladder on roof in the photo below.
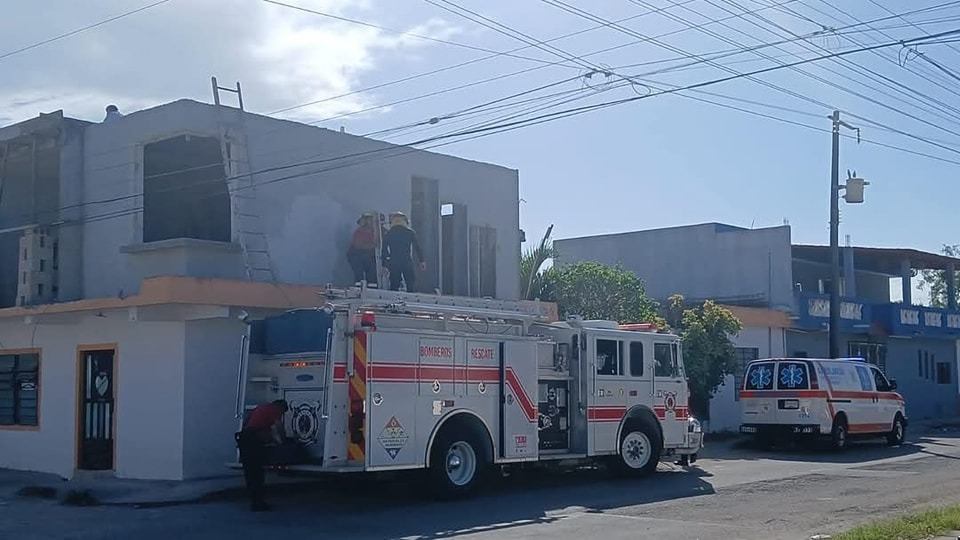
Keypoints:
(440, 303)
(247, 223)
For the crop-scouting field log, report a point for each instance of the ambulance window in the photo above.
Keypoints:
(636, 359)
(865, 383)
(793, 376)
(663, 355)
(759, 377)
(882, 384)
(609, 357)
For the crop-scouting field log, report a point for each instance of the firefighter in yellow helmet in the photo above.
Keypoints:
(400, 245)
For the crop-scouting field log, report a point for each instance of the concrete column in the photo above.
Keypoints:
(951, 286)
(905, 277)
(849, 275)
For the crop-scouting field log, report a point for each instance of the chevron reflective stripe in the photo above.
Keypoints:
(356, 447)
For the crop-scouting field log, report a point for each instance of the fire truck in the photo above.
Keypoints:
(379, 380)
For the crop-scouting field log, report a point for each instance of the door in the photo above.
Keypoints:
(669, 386)
(639, 373)
(886, 405)
(609, 400)
(97, 410)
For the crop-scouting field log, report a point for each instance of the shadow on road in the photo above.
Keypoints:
(401, 509)
(862, 450)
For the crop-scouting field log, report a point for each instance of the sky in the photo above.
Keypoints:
(661, 159)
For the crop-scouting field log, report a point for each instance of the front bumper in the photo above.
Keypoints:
(693, 442)
(781, 429)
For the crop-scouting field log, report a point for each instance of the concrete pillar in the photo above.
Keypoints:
(905, 277)
(849, 277)
(951, 286)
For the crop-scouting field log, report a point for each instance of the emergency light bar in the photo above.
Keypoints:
(639, 327)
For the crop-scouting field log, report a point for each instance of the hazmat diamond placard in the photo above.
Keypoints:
(393, 437)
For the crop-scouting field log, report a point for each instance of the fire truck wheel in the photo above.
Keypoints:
(457, 462)
(640, 447)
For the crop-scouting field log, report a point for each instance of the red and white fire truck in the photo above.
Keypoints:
(383, 381)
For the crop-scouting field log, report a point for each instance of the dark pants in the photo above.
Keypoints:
(402, 269)
(253, 456)
(364, 265)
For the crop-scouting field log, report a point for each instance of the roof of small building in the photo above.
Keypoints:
(880, 260)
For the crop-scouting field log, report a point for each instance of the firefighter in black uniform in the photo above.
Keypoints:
(399, 246)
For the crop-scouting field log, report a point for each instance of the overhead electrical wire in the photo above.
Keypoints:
(82, 29)
(398, 32)
(467, 134)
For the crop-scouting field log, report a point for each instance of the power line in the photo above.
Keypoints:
(397, 32)
(468, 134)
(80, 30)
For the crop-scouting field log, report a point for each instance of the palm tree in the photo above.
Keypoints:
(532, 282)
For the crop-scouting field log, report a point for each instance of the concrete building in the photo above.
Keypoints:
(129, 248)
(916, 345)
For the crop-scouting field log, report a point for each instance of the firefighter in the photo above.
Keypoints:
(362, 254)
(399, 245)
(263, 427)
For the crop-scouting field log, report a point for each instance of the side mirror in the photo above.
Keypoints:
(893, 384)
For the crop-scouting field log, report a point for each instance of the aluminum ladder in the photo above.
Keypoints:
(247, 223)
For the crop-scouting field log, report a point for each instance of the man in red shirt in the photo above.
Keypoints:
(263, 426)
(362, 254)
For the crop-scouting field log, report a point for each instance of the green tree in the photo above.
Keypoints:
(533, 284)
(708, 352)
(598, 291)
(934, 282)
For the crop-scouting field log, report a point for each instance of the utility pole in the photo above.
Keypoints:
(835, 240)
(853, 195)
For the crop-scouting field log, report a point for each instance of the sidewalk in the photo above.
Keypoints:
(107, 490)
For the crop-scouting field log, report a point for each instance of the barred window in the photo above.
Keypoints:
(19, 389)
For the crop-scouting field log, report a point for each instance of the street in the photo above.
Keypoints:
(733, 493)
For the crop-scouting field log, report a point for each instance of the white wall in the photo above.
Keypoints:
(149, 406)
(708, 260)
(211, 361)
(724, 407)
(308, 219)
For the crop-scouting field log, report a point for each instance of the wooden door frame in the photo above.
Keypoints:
(78, 402)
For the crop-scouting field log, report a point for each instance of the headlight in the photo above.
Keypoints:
(693, 426)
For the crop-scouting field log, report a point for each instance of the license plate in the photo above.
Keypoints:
(748, 429)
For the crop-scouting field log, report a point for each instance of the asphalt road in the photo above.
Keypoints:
(733, 494)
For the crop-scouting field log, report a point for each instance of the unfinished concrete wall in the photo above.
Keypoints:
(710, 260)
(30, 155)
(308, 212)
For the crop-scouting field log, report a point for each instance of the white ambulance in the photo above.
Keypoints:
(808, 397)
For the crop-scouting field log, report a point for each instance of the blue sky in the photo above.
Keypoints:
(660, 161)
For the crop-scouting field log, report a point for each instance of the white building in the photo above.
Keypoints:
(127, 253)
(763, 336)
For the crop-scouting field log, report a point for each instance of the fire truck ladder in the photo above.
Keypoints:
(435, 303)
(247, 224)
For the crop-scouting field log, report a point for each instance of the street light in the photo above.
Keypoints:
(853, 194)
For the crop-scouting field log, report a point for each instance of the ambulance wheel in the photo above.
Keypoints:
(457, 463)
(640, 447)
(899, 432)
(838, 435)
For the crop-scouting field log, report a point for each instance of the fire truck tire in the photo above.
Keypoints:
(457, 462)
(640, 447)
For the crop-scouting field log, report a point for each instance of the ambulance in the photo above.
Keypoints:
(457, 387)
(808, 397)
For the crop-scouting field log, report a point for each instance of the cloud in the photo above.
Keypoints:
(282, 57)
